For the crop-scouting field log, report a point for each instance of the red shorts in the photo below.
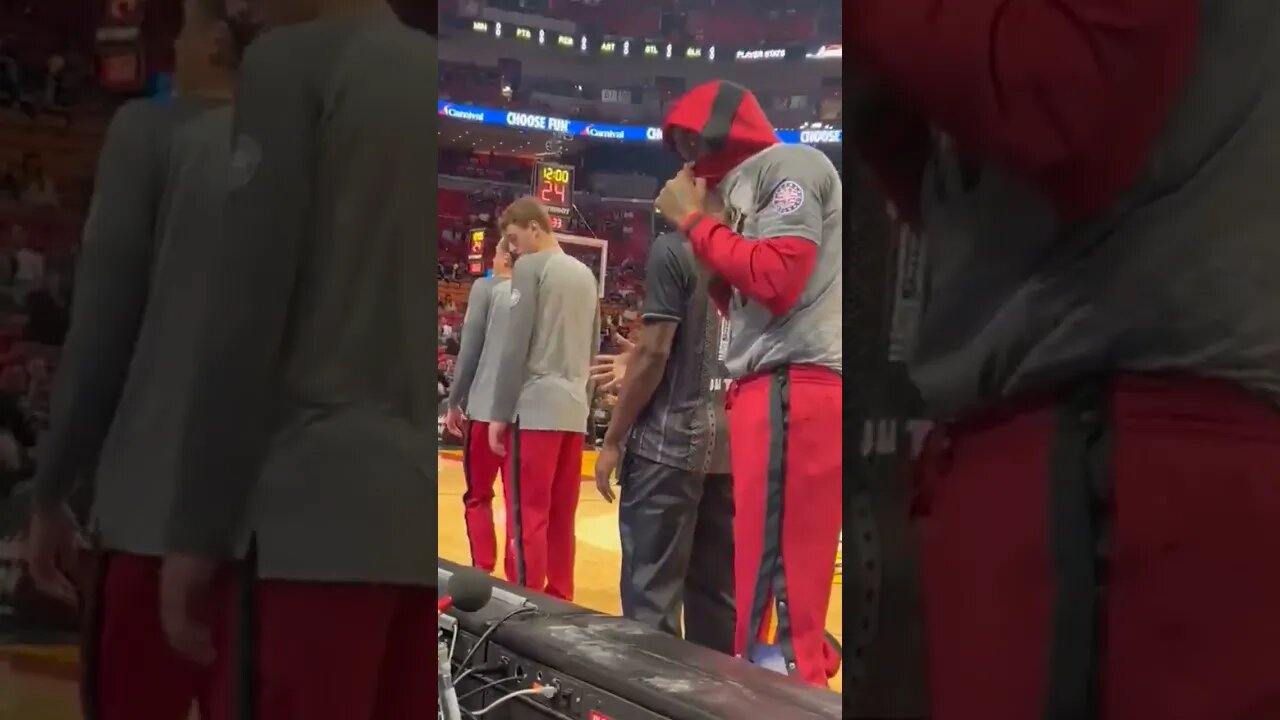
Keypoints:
(330, 651)
(130, 672)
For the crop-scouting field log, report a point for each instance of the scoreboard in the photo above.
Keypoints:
(553, 186)
(475, 251)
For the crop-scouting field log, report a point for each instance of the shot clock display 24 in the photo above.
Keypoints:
(553, 186)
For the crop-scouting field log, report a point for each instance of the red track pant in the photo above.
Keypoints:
(1110, 554)
(130, 673)
(786, 455)
(480, 467)
(345, 651)
(543, 479)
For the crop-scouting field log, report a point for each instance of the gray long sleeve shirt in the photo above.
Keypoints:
(553, 334)
(121, 384)
(312, 421)
(483, 329)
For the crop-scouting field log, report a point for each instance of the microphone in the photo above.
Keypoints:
(468, 591)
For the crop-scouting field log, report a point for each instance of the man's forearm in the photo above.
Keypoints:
(113, 276)
(770, 271)
(643, 377)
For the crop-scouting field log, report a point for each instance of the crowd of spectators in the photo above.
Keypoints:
(38, 240)
(464, 211)
(24, 182)
(38, 83)
(34, 316)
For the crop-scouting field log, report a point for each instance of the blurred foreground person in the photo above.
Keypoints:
(311, 431)
(122, 389)
(1100, 512)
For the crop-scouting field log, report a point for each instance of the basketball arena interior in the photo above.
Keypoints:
(560, 100)
(1058, 215)
(587, 147)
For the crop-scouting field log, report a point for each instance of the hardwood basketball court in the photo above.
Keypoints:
(599, 552)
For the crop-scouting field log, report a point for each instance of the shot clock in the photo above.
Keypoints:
(553, 186)
(475, 251)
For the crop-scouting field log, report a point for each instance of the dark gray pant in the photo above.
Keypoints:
(677, 551)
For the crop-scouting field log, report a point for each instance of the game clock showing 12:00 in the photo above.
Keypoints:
(553, 186)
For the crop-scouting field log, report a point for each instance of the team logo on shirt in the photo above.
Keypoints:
(787, 198)
(515, 297)
(245, 160)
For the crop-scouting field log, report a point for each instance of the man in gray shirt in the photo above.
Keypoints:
(310, 436)
(676, 513)
(121, 392)
(471, 397)
(542, 389)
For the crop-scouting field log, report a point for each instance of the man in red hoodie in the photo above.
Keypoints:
(777, 257)
(1094, 185)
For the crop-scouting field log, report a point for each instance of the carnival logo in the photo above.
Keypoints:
(458, 113)
(593, 131)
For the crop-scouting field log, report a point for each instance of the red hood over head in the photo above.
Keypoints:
(729, 119)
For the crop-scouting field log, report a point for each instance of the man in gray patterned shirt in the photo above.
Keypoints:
(471, 396)
(542, 390)
(676, 514)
